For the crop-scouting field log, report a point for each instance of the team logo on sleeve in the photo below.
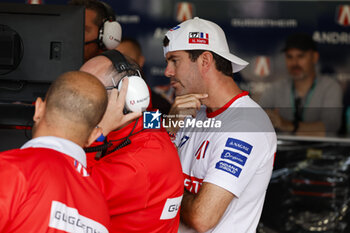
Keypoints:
(239, 145)
(234, 157)
(229, 168)
(151, 120)
(200, 154)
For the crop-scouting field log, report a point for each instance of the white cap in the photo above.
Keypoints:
(202, 34)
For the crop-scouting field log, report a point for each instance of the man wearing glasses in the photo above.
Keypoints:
(137, 169)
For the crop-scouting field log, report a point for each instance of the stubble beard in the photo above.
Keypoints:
(299, 76)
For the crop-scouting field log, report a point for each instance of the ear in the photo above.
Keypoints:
(206, 61)
(95, 133)
(141, 61)
(40, 106)
(316, 56)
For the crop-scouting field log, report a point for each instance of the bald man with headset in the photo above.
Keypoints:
(137, 169)
(44, 186)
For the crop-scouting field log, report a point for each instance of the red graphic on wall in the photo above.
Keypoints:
(262, 66)
(343, 15)
(184, 11)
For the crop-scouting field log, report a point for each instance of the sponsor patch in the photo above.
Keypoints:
(198, 38)
(68, 219)
(229, 168)
(234, 157)
(192, 184)
(171, 207)
(239, 145)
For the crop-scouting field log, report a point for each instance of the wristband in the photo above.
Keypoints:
(101, 138)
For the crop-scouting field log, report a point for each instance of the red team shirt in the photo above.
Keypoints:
(143, 181)
(44, 187)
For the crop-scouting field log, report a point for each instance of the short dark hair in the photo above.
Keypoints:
(113, 73)
(134, 42)
(94, 5)
(166, 41)
(223, 65)
(300, 41)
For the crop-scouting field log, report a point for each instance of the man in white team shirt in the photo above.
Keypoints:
(227, 166)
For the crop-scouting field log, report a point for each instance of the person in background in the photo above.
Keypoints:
(305, 103)
(227, 166)
(44, 186)
(132, 48)
(96, 14)
(137, 169)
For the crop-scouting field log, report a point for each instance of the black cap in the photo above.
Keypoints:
(300, 41)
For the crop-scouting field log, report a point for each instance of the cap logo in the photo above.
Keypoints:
(174, 28)
(198, 38)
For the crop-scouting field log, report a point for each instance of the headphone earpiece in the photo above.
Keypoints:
(110, 32)
(138, 96)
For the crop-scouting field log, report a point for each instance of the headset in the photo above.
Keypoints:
(137, 97)
(110, 32)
